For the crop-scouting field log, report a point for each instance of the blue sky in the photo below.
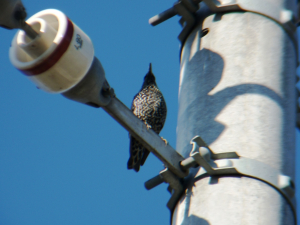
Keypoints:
(62, 162)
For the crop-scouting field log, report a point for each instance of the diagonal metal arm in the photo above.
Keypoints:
(94, 90)
(148, 138)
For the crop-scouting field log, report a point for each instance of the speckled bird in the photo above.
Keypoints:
(150, 107)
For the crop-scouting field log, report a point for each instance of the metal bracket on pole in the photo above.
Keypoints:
(185, 8)
(230, 163)
(287, 18)
(227, 163)
(175, 185)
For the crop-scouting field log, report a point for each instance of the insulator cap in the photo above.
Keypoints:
(58, 58)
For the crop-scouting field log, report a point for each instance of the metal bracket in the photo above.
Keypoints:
(175, 186)
(227, 163)
(186, 8)
(231, 163)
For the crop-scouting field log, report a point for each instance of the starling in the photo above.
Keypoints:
(150, 107)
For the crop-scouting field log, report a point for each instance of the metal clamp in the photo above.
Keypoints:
(227, 163)
(175, 186)
(186, 9)
(231, 163)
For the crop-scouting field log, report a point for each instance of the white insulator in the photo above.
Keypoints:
(58, 58)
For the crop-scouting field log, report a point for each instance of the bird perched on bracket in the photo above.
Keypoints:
(150, 107)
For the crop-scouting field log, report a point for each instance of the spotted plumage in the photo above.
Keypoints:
(150, 107)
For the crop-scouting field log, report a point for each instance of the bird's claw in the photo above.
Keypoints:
(148, 126)
(164, 140)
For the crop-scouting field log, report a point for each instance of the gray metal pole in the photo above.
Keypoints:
(237, 91)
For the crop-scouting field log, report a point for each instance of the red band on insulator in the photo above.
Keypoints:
(56, 54)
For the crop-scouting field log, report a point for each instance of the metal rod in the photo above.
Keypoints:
(31, 33)
(165, 15)
(153, 182)
(188, 163)
(148, 138)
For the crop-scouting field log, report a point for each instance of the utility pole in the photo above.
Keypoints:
(237, 91)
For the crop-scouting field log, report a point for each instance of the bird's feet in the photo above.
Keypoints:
(164, 140)
(148, 126)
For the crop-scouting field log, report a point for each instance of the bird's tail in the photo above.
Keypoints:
(131, 165)
(136, 151)
(144, 157)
